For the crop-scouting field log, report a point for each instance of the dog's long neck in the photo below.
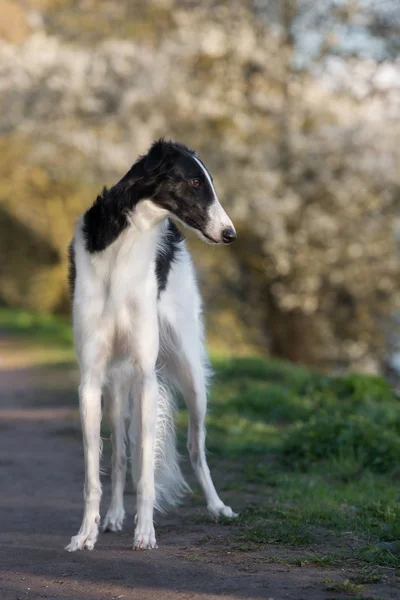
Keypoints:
(125, 204)
(147, 216)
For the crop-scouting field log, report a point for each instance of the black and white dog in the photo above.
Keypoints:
(138, 332)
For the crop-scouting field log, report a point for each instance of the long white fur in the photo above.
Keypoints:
(132, 348)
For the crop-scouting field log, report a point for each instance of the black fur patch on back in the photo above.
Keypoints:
(106, 218)
(71, 268)
(167, 255)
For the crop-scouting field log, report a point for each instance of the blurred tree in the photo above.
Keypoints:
(295, 107)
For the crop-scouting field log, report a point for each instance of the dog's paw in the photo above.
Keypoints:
(86, 538)
(114, 519)
(144, 538)
(220, 510)
(81, 541)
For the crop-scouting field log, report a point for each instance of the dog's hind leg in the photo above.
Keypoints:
(186, 361)
(115, 396)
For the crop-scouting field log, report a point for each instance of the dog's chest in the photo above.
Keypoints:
(127, 270)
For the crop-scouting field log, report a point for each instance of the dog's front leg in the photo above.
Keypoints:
(90, 410)
(146, 343)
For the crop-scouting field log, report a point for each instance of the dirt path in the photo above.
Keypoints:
(41, 475)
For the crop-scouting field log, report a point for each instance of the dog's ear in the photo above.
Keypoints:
(156, 155)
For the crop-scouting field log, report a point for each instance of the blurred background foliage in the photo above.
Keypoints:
(294, 106)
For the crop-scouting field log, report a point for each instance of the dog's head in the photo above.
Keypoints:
(184, 187)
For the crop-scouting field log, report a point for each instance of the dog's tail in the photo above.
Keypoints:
(169, 481)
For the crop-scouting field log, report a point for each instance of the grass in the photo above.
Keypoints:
(320, 453)
(310, 459)
(34, 340)
(37, 328)
(345, 586)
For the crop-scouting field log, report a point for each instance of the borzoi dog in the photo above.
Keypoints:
(138, 333)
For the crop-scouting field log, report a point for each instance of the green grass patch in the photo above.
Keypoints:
(319, 452)
(36, 327)
(346, 586)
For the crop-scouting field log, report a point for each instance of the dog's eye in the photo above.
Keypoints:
(195, 182)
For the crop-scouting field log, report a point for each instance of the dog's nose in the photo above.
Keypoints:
(228, 235)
